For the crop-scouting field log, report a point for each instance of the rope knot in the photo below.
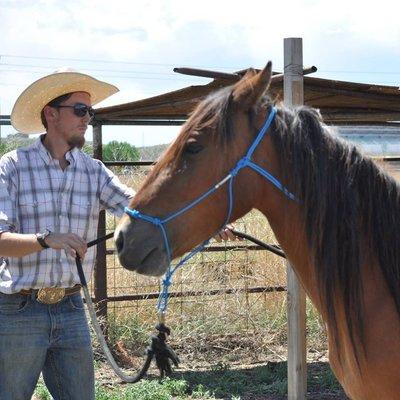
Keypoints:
(157, 221)
(162, 352)
(243, 162)
(167, 282)
(132, 213)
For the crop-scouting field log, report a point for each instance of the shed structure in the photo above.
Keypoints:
(339, 102)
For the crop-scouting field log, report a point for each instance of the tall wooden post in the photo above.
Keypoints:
(297, 361)
(100, 272)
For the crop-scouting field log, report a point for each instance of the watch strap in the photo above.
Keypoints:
(41, 238)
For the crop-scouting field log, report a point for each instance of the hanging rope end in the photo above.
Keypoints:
(164, 355)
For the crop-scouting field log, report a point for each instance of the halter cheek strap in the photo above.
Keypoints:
(242, 163)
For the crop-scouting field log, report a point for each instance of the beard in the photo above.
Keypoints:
(76, 141)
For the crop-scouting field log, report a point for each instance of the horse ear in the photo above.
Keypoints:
(251, 87)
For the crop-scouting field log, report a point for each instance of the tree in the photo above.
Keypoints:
(88, 148)
(120, 151)
(14, 141)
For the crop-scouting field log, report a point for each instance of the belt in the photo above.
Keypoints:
(50, 295)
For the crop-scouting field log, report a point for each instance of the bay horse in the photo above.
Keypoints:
(340, 229)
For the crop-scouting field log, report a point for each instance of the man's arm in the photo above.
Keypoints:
(18, 244)
(21, 244)
(114, 195)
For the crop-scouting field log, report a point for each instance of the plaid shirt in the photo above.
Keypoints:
(35, 194)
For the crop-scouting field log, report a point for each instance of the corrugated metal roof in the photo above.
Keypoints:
(339, 102)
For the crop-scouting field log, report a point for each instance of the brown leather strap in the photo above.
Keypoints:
(68, 291)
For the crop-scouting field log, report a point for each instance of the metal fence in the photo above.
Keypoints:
(228, 289)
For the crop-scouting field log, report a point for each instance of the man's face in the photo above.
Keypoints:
(70, 126)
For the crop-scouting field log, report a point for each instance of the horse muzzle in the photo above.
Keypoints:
(140, 248)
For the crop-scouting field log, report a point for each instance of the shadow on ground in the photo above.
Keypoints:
(266, 381)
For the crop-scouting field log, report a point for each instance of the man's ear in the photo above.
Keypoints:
(49, 113)
(249, 90)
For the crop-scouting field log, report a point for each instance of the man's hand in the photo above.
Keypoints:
(71, 243)
(226, 234)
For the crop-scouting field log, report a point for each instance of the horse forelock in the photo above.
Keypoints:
(213, 113)
(350, 212)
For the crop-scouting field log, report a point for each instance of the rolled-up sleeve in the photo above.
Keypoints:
(114, 195)
(8, 195)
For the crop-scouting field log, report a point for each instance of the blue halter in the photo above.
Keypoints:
(242, 163)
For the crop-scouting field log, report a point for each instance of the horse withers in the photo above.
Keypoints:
(340, 229)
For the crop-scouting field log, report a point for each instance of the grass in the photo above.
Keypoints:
(130, 331)
(167, 389)
(146, 390)
(220, 382)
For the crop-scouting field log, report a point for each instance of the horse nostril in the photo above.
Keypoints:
(119, 242)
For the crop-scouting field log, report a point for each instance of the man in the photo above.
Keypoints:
(50, 197)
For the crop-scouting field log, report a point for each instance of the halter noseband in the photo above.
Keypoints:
(242, 163)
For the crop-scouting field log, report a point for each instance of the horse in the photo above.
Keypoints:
(333, 210)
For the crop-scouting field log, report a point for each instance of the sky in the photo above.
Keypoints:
(136, 44)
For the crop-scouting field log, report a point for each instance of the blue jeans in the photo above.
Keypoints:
(52, 339)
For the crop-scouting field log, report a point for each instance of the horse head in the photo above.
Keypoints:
(213, 139)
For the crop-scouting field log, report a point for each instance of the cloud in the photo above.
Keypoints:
(137, 43)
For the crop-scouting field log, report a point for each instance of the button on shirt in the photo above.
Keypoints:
(35, 194)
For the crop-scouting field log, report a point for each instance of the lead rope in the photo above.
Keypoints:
(158, 349)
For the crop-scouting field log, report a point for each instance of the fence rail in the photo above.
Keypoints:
(198, 293)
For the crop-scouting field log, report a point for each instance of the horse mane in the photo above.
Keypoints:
(350, 207)
(351, 213)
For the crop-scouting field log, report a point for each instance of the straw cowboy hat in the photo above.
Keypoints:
(25, 116)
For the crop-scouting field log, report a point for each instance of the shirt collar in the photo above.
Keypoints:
(43, 152)
(71, 155)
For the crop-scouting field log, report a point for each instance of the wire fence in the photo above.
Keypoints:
(227, 304)
(228, 300)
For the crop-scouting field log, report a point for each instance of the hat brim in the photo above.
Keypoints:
(25, 116)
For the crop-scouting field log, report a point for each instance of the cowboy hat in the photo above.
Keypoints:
(25, 116)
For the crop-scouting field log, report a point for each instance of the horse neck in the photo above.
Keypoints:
(284, 217)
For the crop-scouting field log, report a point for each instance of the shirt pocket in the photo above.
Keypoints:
(35, 211)
(81, 214)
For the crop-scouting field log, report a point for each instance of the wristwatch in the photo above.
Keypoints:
(41, 238)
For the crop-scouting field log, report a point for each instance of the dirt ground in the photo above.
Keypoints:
(250, 381)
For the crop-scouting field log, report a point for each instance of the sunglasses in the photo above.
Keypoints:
(79, 109)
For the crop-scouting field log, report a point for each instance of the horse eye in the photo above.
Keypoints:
(193, 148)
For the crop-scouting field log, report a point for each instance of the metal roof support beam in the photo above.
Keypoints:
(234, 76)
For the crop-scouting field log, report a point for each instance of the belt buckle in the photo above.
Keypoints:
(51, 295)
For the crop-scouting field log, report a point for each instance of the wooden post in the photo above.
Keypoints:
(297, 361)
(100, 271)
